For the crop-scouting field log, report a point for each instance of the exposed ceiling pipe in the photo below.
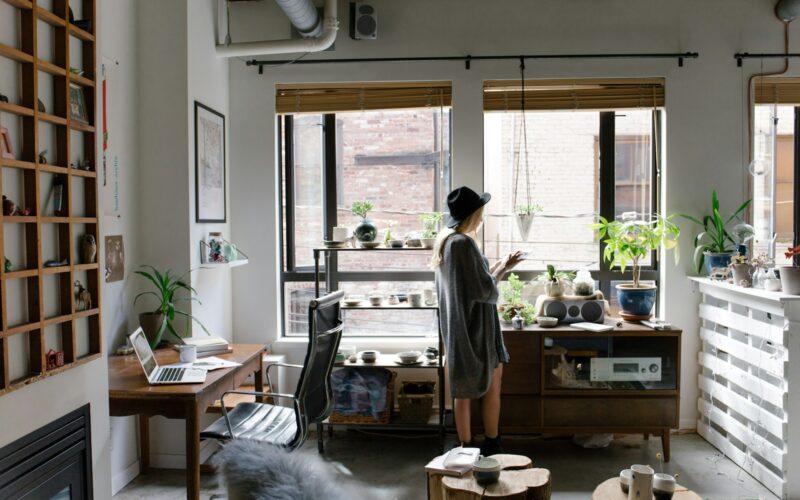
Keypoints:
(321, 35)
(787, 10)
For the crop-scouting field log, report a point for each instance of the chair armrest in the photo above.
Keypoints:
(287, 365)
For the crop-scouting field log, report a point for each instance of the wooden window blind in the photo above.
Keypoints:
(777, 90)
(329, 98)
(586, 94)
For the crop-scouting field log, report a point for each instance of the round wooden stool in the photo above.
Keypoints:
(610, 490)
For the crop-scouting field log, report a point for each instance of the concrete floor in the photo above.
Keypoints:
(394, 465)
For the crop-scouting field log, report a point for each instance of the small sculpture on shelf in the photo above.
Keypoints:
(81, 165)
(56, 263)
(7, 266)
(9, 207)
(40, 106)
(43, 157)
(83, 299)
(3, 98)
(88, 249)
(54, 358)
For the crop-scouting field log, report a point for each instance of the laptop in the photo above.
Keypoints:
(162, 374)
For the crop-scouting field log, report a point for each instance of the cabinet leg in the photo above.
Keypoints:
(665, 444)
(320, 439)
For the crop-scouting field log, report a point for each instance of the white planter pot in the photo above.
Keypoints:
(554, 288)
(524, 223)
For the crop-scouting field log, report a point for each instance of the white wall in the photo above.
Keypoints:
(704, 108)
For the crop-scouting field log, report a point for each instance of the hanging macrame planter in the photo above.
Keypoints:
(523, 213)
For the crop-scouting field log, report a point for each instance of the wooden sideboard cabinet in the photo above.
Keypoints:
(565, 380)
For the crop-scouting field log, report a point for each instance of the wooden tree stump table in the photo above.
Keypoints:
(518, 480)
(610, 490)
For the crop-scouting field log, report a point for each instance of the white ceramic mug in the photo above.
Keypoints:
(339, 233)
(188, 353)
(415, 299)
(641, 483)
(429, 296)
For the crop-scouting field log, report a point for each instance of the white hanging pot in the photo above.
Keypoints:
(524, 223)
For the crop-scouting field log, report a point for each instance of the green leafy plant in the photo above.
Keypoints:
(715, 237)
(512, 301)
(430, 224)
(388, 236)
(361, 208)
(632, 240)
(554, 276)
(528, 209)
(511, 290)
(167, 290)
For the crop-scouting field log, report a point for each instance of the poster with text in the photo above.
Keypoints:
(110, 167)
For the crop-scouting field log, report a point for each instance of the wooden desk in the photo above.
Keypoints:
(130, 394)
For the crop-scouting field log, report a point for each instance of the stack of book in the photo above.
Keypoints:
(456, 462)
(209, 346)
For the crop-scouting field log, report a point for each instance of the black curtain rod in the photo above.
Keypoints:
(680, 56)
(746, 55)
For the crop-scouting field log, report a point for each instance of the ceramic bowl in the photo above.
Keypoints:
(663, 486)
(413, 243)
(370, 244)
(369, 356)
(427, 242)
(486, 471)
(625, 478)
(409, 356)
(546, 321)
(353, 300)
(375, 300)
(395, 243)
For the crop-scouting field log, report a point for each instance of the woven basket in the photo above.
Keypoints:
(416, 408)
(385, 416)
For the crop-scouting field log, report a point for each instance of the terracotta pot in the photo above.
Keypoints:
(150, 323)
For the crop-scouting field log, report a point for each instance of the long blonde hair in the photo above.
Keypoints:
(468, 226)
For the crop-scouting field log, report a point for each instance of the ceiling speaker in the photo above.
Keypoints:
(363, 21)
(575, 310)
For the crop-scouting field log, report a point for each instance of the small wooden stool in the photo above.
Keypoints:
(517, 481)
(610, 490)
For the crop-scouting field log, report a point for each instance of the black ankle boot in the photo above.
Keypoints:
(491, 446)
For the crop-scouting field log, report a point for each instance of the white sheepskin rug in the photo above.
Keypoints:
(258, 471)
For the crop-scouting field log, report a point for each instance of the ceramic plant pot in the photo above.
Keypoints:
(790, 280)
(636, 301)
(712, 260)
(742, 275)
(554, 288)
(365, 230)
(524, 223)
(150, 323)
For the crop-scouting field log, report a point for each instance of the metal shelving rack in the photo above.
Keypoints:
(385, 361)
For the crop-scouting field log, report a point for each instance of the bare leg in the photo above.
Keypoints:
(490, 404)
(462, 414)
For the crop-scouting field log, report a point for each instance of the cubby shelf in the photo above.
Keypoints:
(49, 300)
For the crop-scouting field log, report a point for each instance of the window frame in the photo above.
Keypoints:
(290, 273)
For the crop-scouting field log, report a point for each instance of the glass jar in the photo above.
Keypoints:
(583, 284)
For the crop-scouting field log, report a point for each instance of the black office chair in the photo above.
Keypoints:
(280, 425)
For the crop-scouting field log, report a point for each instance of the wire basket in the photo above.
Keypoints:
(383, 418)
(416, 401)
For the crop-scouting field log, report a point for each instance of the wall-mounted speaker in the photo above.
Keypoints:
(575, 310)
(363, 21)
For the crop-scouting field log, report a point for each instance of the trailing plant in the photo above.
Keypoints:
(528, 209)
(430, 224)
(361, 208)
(714, 238)
(167, 290)
(630, 240)
(511, 290)
(554, 276)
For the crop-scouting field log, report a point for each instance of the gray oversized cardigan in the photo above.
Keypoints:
(468, 317)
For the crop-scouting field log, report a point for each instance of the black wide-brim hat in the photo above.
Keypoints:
(463, 202)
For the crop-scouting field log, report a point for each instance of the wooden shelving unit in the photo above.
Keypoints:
(46, 307)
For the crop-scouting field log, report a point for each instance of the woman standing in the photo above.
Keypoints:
(467, 291)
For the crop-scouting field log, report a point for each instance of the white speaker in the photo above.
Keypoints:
(363, 21)
(575, 310)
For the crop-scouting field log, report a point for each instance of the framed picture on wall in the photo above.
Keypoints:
(209, 161)
(6, 147)
(77, 104)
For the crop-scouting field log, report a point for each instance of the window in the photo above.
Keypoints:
(582, 162)
(398, 158)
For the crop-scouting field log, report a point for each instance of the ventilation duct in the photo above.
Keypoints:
(304, 17)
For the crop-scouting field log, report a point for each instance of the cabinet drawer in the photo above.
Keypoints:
(523, 347)
(521, 378)
(610, 412)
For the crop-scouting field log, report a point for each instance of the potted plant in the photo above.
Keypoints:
(790, 275)
(554, 281)
(430, 228)
(512, 302)
(524, 215)
(365, 230)
(167, 288)
(742, 270)
(714, 245)
(629, 241)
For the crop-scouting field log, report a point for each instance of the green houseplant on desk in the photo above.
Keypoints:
(167, 289)
(629, 241)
